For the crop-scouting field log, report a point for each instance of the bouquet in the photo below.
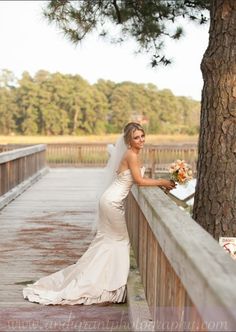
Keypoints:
(180, 172)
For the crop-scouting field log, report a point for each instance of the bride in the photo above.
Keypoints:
(100, 275)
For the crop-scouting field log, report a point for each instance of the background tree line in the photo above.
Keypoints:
(65, 104)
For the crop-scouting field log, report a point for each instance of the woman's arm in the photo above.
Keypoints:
(132, 160)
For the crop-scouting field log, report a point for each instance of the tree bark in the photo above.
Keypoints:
(215, 198)
(75, 121)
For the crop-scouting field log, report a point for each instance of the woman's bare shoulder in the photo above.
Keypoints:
(131, 159)
(130, 155)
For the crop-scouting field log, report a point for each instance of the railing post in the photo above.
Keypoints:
(153, 162)
(79, 154)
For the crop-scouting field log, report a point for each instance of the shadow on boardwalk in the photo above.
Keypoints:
(44, 230)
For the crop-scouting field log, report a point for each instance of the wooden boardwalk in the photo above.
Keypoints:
(45, 229)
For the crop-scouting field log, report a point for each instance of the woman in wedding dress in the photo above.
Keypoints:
(100, 275)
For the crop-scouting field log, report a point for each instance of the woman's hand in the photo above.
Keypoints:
(168, 184)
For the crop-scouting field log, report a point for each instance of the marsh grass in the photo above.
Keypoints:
(87, 157)
(151, 139)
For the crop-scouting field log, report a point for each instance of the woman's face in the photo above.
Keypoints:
(137, 140)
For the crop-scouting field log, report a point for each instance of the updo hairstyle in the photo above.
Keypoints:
(129, 129)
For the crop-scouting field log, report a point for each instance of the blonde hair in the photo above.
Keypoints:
(129, 129)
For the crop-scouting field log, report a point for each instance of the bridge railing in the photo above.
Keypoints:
(189, 280)
(155, 157)
(17, 166)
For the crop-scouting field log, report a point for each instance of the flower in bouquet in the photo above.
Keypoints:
(180, 171)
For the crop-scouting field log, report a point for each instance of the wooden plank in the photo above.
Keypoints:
(18, 153)
(143, 250)
(135, 228)
(17, 190)
(151, 290)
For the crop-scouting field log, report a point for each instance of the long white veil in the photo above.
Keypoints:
(109, 172)
(116, 153)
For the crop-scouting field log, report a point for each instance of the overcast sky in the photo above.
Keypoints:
(29, 43)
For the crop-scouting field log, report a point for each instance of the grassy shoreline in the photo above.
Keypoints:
(111, 138)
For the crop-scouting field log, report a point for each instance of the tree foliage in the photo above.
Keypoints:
(59, 104)
(149, 22)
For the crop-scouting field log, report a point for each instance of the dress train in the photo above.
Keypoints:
(100, 275)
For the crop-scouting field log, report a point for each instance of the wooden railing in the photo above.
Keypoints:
(18, 165)
(189, 280)
(10, 147)
(156, 158)
(77, 155)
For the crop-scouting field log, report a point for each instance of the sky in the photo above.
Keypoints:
(29, 43)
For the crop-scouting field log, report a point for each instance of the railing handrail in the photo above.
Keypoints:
(169, 145)
(22, 152)
(207, 272)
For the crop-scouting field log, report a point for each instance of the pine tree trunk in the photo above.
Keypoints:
(215, 198)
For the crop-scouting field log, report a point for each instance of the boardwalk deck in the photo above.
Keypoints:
(45, 229)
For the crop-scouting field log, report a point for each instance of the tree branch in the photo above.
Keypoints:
(117, 12)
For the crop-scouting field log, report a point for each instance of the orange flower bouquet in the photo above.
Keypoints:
(180, 172)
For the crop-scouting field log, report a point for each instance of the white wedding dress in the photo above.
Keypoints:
(100, 275)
